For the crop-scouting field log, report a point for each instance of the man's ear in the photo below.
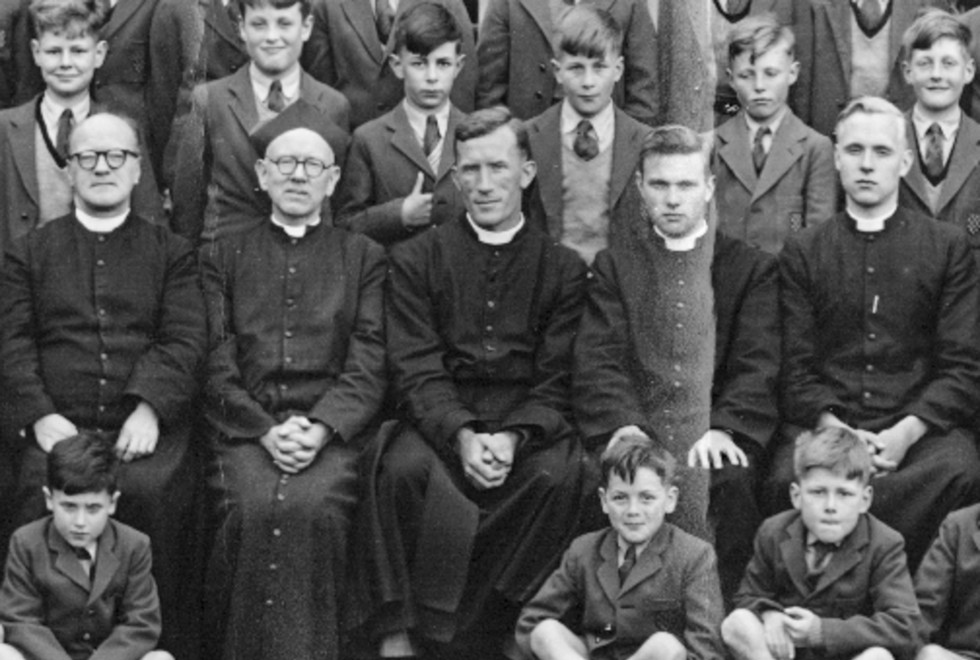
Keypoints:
(529, 169)
(262, 174)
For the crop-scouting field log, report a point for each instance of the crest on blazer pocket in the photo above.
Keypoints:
(973, 224)
(795, 221)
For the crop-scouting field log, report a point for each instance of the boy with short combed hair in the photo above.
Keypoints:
(641, 588)
(34, 180)
(77, 584)
(397, 180)
(827, 576)
(775, 175)
(585, 147)
(945, 174)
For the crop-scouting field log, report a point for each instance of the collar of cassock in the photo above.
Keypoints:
(871, 224)
(683, 243)
(495, 237)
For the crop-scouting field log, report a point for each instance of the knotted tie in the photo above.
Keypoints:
(276, 101)
(817, 559)
(629, 561)
(586, 145)
(869, 15)
(431, 140)
(384, 18)
(932, 162)
(85, 559)
(64, 129)
(759, 149)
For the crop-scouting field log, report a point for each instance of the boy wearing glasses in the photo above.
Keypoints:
(35, 184)
(103, 329)
(295, 378)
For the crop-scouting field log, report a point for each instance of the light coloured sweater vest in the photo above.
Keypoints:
(55, 197)
(870, 66)
(585, 202)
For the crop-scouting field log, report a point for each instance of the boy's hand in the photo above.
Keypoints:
(52, 429)
(139, 433)
(417, 207)
(712, 447)
(802, 626)
(777, 639)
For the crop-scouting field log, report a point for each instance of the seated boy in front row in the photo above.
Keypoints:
(947, 586)
(827, 576)
(641, 588)
(77, 584)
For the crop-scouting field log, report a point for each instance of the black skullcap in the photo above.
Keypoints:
(301, 114)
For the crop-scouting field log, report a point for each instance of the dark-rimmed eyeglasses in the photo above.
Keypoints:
(114, 158)
(287, 165)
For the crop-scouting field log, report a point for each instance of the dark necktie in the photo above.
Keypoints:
(432, 136)
(817, 562)
(869, 16)
(586, 145)
(84, 556)
(759, 149)
(733, 9)
(276, 101)
(384, 18)
(629, 561)
(932, 162)
(65, 122)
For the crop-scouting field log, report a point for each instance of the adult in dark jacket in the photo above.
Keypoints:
(103, 329)
(471, 499)
(880, 315)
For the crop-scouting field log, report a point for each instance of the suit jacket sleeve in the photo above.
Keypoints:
(137, 631)
(934, 581)
(493, 55)
(350, 404)
(821, 181)
(604, 395)
(359, 210)
(703, 607)
(640, 61)
(316, 58)
(805, 396)
(25, 398)
(745, 401)
(230, 407)
(758, 590)
(546, 407)
(192, 165)
(165, 376)
(953, 395)
(562, 593)
(895, 622)
(22, 610)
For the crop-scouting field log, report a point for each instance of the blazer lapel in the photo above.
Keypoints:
(540, 11)
(22, 144)
(608, 571)
(217, 17)
(962, 161)
(546, 141)
(106, 563)
(784, 151)
(650, 560)
(627, 142)
(121, 13)
(792, 549)
(361, 19)
(735, 151)
(448, 158)
(915, 179)
(242, 102)
(403, 139)
(845, 557)
(65, 559)
(839, 13)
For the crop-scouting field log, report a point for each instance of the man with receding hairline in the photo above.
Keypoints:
(880, 314)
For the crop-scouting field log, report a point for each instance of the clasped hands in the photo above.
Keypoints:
(887, 447)
(138, 436)
(785, 630)
(487, 458)
(295, 443)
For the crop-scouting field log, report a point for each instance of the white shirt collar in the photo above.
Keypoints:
(622, 545)
(100, 225)
(683, 243)
(417, 119)
(948, 126)
(604, 124)
(495, 237)
(261, 83)
(296, 231)
(52, 109)
(875, 223)
(773, 124)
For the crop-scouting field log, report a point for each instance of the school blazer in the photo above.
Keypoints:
(50, 609)
(864, 597)
(384, 162)
(344, 51)
(515, 52)
(959, 201)
(672, 588)
(545, 194)
(797, 187)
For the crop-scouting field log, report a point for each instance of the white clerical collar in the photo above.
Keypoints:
(874, 223)
(683, 243)
(495, 237)
(603, 123)
(100, 225)
(296, 231)
(261, 83)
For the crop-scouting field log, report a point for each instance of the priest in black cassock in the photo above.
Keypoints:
(103, 329)
(472, 497)
(296, 373)
(881, 314)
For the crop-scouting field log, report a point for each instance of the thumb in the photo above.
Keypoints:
(419, 180)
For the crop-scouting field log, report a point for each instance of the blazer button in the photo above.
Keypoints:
(543, 67)
(538, 95)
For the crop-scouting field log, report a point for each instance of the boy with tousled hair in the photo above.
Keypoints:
(945, 174)
(586, 148)
(775, 174)
(77, 584)
(397, 180)
(640, 588)
(827, 576)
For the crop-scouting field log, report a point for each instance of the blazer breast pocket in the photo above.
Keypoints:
(667, 614)
(790, 212)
